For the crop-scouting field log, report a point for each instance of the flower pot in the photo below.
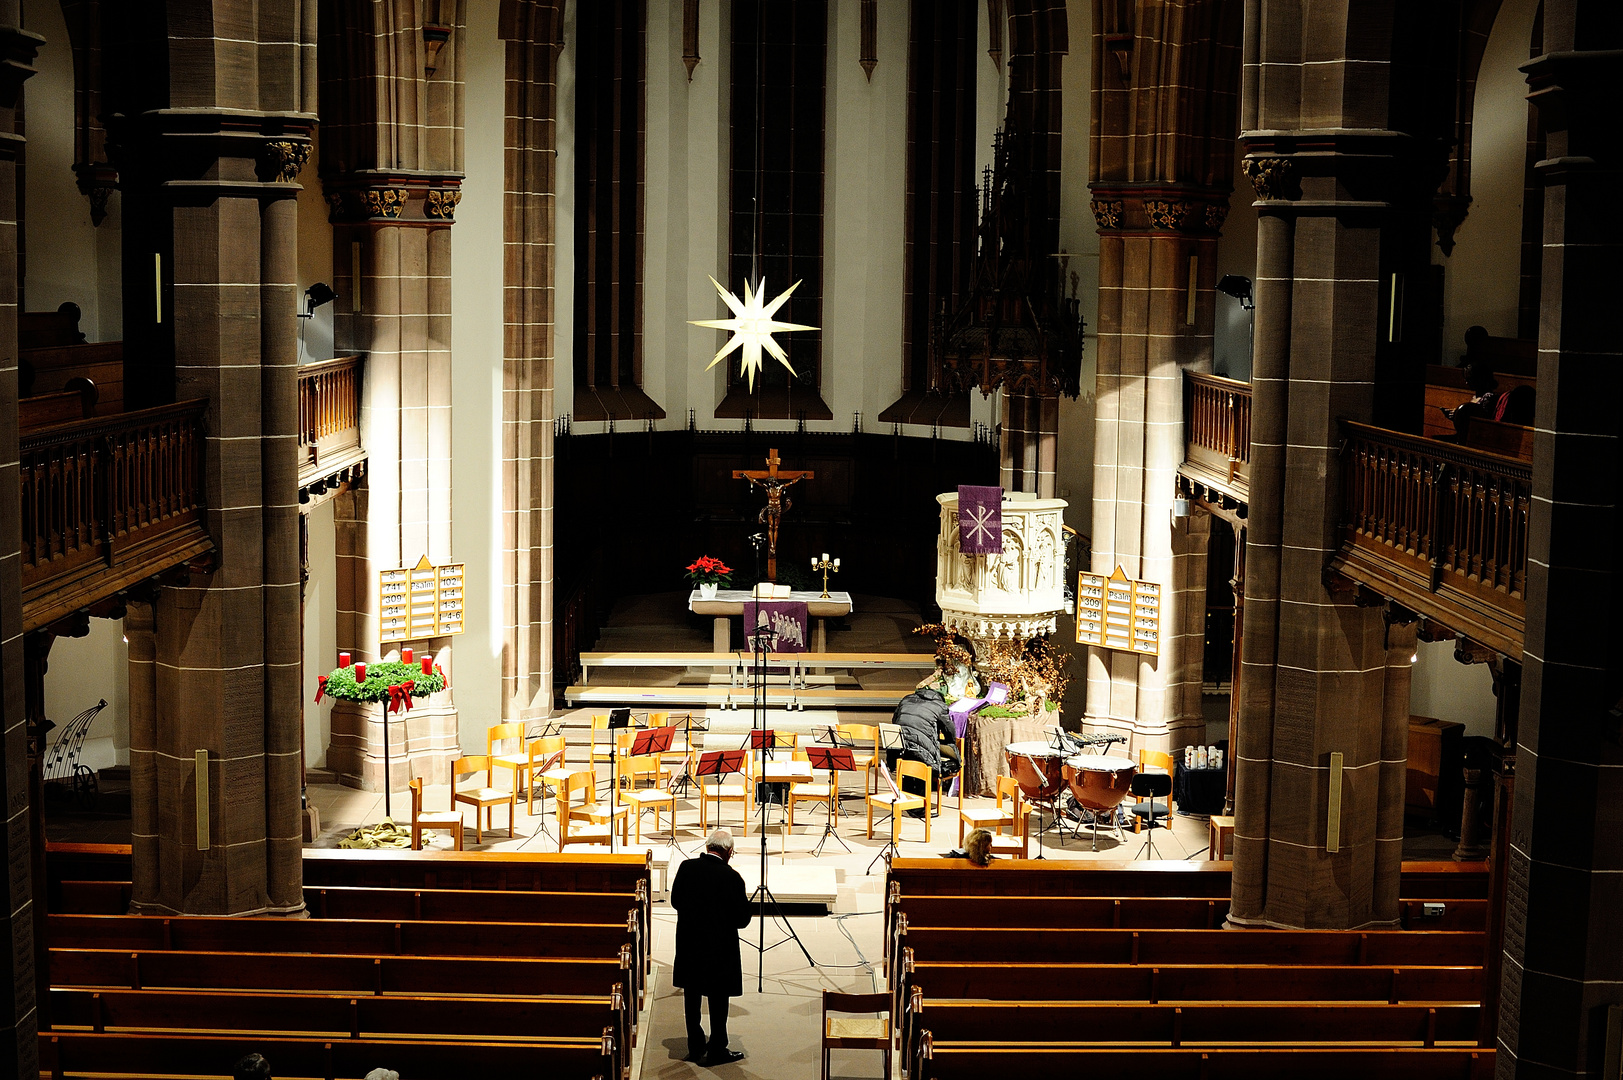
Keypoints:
(707, 591)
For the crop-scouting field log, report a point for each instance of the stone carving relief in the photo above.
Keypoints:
(284, 158)
(1107, 212)
(1272, 177)
(1168, 213)
(442, 202)
(384, 202)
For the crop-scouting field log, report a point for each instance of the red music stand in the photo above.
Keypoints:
(654, 741)
(831, 758)
(720, 763)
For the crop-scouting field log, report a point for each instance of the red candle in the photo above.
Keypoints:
(360, 673)
(405, 656)
(343, 659)
(428, 665)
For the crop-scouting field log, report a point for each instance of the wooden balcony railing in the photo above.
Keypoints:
(1440, 528)
(1217, 427)
(108, 502)
(329, 416)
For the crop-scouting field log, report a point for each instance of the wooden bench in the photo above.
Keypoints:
(1496, 437)
(991, 1061)
(43, 329)
(345, 1017)
(1446, 389)
(47, 370)
(171, 1054)
(60, 407)
(1212, 1024)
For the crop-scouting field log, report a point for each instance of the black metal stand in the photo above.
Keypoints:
(763, 893)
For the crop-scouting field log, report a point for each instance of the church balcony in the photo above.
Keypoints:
(330, 452)
(1217, 430)
(1438, 528)
(108, 503)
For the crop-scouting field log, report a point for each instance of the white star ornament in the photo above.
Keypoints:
(752, 327)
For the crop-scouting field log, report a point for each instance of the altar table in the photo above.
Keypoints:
(729, 604)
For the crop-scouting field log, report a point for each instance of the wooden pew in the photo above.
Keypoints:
(59, 407)
(993, 1061)
(1014, 945)
(1510, 440)
(44, 329)
(47, 370)
(90, 898)
(169, 1054)
(343, 1016)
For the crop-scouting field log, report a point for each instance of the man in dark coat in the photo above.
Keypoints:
(711, 907)
(928, 735)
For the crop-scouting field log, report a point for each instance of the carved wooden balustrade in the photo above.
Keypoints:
(1440, 528)
(1217, 429)
(107, 503)
(329, 417)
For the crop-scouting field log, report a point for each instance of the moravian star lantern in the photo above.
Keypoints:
(752, 327)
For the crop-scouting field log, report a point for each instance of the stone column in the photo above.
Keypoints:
(19, 1049)
(1316, 676)
(210, 171)
(391, 169)
(1563, 968)
(533, 31)
(1029, 443)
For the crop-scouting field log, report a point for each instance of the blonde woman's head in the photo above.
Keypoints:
(978, 847)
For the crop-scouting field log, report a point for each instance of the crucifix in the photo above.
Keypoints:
(774, 482)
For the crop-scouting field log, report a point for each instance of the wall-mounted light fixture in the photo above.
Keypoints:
(1238, 287)
(316, 295)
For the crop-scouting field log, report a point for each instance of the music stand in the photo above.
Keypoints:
(718, 763)
(680, 785)
(546, 767)
(831, 758)
(619, 719)
(655, 741)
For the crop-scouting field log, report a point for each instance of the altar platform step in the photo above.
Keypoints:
(730, 697)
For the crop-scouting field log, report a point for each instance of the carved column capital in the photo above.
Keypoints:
(1159, 208)
(282, 159)
(414, 200)
(1272, 177)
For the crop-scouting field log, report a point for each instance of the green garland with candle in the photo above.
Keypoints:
(340, 682)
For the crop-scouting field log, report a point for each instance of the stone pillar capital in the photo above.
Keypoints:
(1159, 209)
(393, 198)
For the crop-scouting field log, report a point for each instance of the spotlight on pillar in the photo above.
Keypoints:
(1238, 287)
(316, 295)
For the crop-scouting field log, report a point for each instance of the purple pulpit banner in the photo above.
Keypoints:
(980, 520)
(785, 620)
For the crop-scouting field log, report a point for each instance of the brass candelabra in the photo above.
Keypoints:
(825, 566)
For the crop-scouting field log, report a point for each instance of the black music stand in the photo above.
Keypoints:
(831, 758)
(680, 785)
(619, 719)
(762, 739)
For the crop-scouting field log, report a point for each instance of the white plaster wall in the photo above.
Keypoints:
(865, 205)
(1236, 254)
(314, 262)
(1481, 278)
(1449, 690)
(1078, 236)
(476, 382)
(83, 671)
(68, 258)
(320, 631)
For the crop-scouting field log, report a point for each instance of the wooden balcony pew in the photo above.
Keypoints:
(1383, 948)
(1457, 915)
(343, 1016)
(90, 898)
(994, 1061)
(167, 1054)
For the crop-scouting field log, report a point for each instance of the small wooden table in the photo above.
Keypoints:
(729, 604)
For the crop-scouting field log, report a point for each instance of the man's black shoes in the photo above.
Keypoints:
(721, 1057)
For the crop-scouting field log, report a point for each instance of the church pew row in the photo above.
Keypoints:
(71, 1054)
(917, 981)
(343, 1016)
(992, 1061)
(1209, 1024)
(340, 936)
(1015, 945)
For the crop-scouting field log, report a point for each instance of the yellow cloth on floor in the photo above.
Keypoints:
(385, 834)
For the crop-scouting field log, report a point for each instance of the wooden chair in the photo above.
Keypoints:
(987, 817)
(551, 778)
(867, 761)
(596, 814)
(1149, 761)
(601, 752)
(484, 800)
(737, 787)
(907, 800)
(515, 760)
(814, 792)
(649, 769)
(434, 821)
(852, 1033)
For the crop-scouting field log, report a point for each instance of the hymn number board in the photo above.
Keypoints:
(420, 602)
(1117, 612)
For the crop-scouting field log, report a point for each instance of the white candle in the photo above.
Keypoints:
(836, 564)
(825, 556)
(814, 562)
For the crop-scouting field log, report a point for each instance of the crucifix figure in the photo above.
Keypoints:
(774, 482)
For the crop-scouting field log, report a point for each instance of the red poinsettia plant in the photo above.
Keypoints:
(709, 570)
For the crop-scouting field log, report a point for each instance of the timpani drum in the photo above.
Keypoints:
(1038, 768)
(1099, 782)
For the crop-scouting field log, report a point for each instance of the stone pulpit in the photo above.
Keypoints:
(1003, 598)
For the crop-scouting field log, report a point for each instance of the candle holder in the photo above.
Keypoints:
(825, 566)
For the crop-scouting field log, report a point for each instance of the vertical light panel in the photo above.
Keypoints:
(200, 774)
(1332, 829)
(157, 286)
(1394, 310)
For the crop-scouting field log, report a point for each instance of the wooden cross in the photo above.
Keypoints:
(775, 482)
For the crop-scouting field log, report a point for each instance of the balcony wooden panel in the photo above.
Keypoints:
(329, 418)
(1440, 528)
(1217, 431)
(107, 503)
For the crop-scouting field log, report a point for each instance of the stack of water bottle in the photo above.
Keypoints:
(1203, 757)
